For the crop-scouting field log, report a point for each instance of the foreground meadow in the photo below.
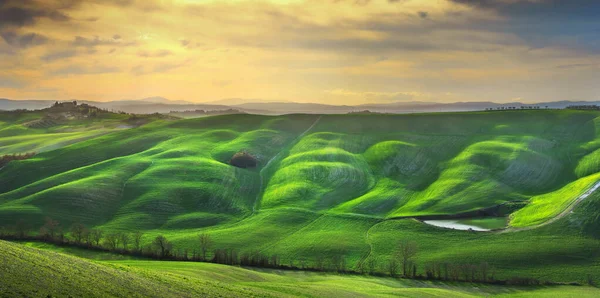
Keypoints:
(28, 271)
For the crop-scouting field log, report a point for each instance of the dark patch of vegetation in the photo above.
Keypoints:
(584, 107)
(5, 159)
(71, 109)
(243, 160)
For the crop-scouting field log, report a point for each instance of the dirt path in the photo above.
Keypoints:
(262, 179)
(565, 212)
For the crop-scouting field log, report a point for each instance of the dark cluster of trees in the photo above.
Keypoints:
(401, 263)
(584, 107)
(72, 107)
(5, 159)
(515, 108)
(243, 160)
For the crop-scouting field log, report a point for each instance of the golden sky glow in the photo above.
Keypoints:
(337, 52)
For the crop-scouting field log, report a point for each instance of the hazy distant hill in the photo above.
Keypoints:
(164, 105)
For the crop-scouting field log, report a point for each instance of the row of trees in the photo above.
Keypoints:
(584, 107)
(401, 263)
(515, 108)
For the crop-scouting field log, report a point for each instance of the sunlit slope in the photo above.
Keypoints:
(173, 174)
(406, 165)
(30, 132)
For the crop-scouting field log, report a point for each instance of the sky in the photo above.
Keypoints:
(323, 51)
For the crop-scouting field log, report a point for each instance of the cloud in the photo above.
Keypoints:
(59, 55)
(78, 70)
(423, 14)
(20, 13)
(23, 40)
(81, 41)
(157, 54)
(539, 8)
(10, 82)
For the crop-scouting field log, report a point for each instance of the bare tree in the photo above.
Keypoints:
(137, 241)
(205, 244)
(50, 228)
(393, 267)
(319, 262)
(339, 263)
(484, 268)
(406, 251)
(21, 228)
(162, 245)
(96, 236)
(112, 241)
(87, 237)
(124, 237)
(372, 264)
(78, 230)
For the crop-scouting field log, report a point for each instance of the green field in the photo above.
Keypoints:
(326, 185)
(27, 271)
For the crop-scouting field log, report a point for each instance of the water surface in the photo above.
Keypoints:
(474, 224)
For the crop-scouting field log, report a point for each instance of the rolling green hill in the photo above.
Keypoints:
(27, 272)
(329, 185)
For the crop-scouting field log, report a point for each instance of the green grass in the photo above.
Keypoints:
(28, 271)
(328, 189)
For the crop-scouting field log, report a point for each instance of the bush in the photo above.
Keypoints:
(243, 160)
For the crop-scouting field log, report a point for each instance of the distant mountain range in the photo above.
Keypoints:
(164, 105)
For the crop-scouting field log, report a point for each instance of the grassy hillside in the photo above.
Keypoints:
(29, 271)
(332, 185)
(33, 131)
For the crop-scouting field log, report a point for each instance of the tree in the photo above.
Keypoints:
(78, 230)
(393, 267)
(96, 236)
(205, 244)
(407, 250)
(124, 237)
(319, 262)
(339, 263)
(87, 237)
(372, 264)
(243, 160)
(21, 228)
(112, 241)
(137, 241)
(50, 229)
(484, 268)
(163, 246)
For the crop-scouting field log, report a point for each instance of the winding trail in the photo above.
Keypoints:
(564, 213)
(262, 179)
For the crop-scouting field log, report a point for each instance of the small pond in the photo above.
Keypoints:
(476, 224)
